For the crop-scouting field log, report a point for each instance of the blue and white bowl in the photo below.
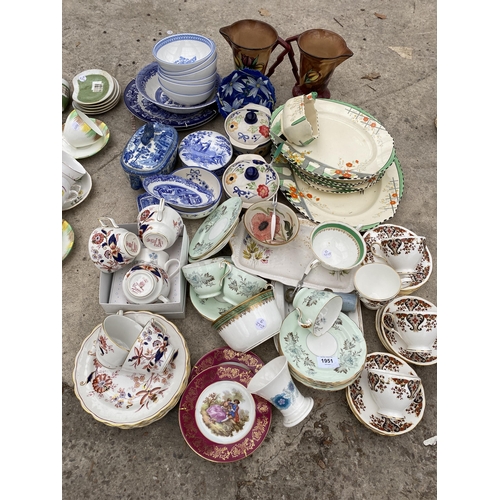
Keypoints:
(206, 149)
(183, 51)
(178, 192)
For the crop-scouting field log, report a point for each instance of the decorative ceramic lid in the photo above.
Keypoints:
(150, 149)
(248, 126)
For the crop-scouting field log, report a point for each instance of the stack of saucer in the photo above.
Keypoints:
(330, 362)
(95, 91)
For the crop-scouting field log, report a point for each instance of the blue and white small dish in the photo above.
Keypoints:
(206, 149)
(242, 87)
(146, 111)
(146, 200)
(178, 192)
(150, 151)
(204, 178)
(149, 86)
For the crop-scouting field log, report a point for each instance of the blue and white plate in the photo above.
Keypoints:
(242, 87)
(149, 86)
(206, 149)
(179, 192)
(146, 111)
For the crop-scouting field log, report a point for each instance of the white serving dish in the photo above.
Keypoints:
(112, 298)
(275, 263)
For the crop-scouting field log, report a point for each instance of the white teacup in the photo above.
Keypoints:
(337, 246)
(151, 352)
(70, 190)
(112, 247)
(317, 309)
(417, 329)
(402, 253)
(72, 168)
(155, 257)
(116, 339)
(159, 226)
(376, 284)
(146, 283)
(80, 130)
(207, 276)
(239, 285)
(392, 392)
(299, 119)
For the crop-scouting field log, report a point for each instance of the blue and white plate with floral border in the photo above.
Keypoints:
(146, 111)
(149, 86)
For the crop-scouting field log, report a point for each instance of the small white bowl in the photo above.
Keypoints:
(188, 100)
(250, 178)
(183, 51)
(257, 221)
(188, 79)
(186, 88)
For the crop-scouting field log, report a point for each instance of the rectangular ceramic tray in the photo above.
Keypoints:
(111, 296)
(287, 263)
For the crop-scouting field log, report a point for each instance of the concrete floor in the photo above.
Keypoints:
(330, 454)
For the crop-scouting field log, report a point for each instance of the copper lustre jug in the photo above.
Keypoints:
(252, 43)
(321, 51)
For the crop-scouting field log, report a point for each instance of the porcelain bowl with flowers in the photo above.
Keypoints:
(258, 218)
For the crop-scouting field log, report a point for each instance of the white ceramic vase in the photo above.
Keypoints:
(274, 383)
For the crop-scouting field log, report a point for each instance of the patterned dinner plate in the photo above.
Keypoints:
(328, 361)
(351, 144)
(365, 210)
(226, 355)
(219, 419)
(147, 111)
(364, 408)
(394, 343)
(127, 399)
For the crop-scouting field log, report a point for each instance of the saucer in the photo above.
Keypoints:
(366, 210)
(146, 111)
(85, 183)
(215, 230)
(149, 86)
(226, 355)
(103, 107)
(90, 150)
(364, 408)
(204, 423)
(68, 238)
(329, 361)
(423, 270)
(394, 343)
(127, 399)
(92, 86)
(210, 308)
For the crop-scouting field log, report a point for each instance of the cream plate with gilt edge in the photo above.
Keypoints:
(363, 211)
(127, 399)
(364, 408)
(394, 343)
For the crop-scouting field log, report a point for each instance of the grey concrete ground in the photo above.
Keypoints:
(330, 454)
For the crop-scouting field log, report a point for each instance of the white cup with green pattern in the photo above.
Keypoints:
(207, 276)
(239, 286)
